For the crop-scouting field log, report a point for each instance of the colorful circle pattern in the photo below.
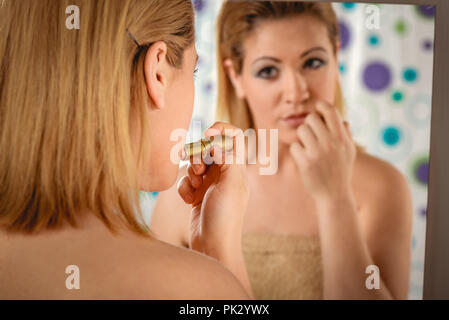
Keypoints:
(377, 76)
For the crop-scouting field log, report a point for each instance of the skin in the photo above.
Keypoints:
(359, 206)
(127, 266)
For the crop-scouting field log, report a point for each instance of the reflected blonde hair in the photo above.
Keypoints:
(67, 98)
(236, 20)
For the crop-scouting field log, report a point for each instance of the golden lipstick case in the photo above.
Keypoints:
(203, 146)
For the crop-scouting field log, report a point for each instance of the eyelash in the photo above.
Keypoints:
(322, 63)
(307, 64)
(195, 73)
(259, 74)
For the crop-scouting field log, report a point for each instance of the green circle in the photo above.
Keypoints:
(391, 135)
(397, 96)
(373, 40)
(410, 75)
(401, 27)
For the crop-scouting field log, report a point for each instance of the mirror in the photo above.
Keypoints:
(385, 70)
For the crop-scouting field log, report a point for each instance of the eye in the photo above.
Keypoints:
(267, 73)
(314, 63)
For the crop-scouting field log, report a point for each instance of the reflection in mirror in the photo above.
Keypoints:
(304, 235)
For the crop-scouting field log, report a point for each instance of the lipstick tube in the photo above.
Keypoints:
(203, 146)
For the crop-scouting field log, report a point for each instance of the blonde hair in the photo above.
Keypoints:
(236, 20)
(66, 101)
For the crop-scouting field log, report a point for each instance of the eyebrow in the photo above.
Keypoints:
(312, 50)
(197, 58)
(302, 55)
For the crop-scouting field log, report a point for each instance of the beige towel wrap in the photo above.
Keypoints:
(286, 267)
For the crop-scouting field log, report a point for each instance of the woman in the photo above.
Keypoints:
(313, 229)
(79, 110)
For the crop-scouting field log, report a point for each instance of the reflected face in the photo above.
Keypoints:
(176, 114)
(288, 63)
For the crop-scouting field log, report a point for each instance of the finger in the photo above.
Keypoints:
(196, 180)
(219, 128)
(316, 123)
(306, 136)
(298, 153)
(219, 155)
(198, 168)
(226, 129)
(186, 190)
(348, 129)
(331, 117)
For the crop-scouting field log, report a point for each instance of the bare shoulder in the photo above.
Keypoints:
(372, 174)
(168, 272)
(171, 216)
(386, 213)
(382, 191)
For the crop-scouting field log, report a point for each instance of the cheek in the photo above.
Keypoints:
(189, 94)
(261, 98)
(322, 84)
(182, 101)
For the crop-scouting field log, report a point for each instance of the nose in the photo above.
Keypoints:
(296, 89)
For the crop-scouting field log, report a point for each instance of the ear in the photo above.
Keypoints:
(235, 79)
(157, 73)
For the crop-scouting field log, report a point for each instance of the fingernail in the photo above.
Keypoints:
(196, 168)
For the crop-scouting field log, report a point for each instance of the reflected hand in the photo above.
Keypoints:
(325, 153)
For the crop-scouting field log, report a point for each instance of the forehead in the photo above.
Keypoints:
(286, 36)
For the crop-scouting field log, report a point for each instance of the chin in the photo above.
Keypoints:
(288, 137)
(160, 180)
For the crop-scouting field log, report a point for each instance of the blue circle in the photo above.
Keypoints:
(349, 5)
(398, 96)
(342, 68)
(391, 136)
(373, 40)
(410, 75)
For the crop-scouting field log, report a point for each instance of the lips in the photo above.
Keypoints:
(294, 120)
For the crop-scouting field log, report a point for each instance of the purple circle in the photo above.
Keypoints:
(198, 5)
(377, 76)
(208, 87)
(422, 172)
(345, 35)
(427, 45)
(428, 11)
(423, 212)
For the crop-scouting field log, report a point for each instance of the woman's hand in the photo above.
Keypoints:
(218, 194)
(325, 153)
